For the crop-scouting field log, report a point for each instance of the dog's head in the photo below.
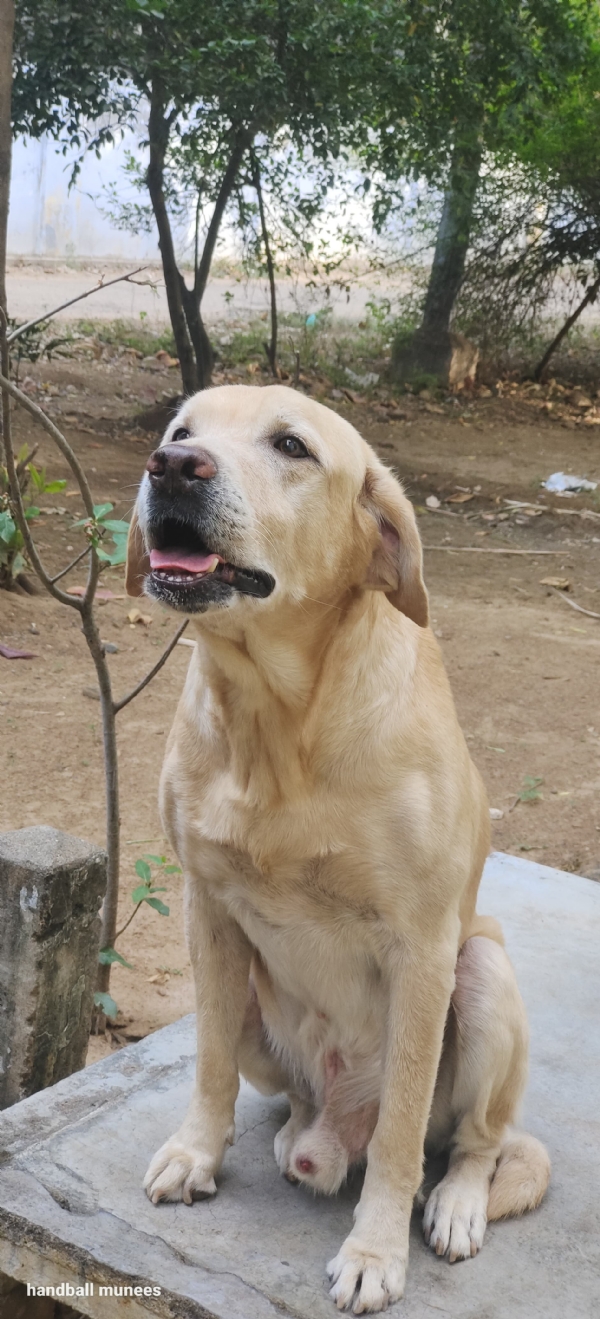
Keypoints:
(258, 495)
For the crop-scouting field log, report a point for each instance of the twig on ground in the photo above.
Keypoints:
(120, 279)
(484, 549)
(580, 610)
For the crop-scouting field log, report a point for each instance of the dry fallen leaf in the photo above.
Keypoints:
(462, 498)
(10, 653)
(136, 616)
(561, 583)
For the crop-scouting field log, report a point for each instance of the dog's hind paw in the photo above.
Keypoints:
(180, 1173)
(455, 1219)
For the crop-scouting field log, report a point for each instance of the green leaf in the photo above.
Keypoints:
(107, 956)
(101, 510)
(19, 565)
(143, 870)
(156, 860)
(107, 1004)
(7, 527)
(53, 487)
(172, 870)
(36, 477)
(140, 893)
(158, 906)
(114, 524)
(32, 512)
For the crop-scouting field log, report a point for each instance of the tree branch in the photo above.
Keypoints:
(63, 572)
(223, 195)
(56, 435)
(8, 388)
(270, 348)
(590, 296)
(121, 279)
(120, 705)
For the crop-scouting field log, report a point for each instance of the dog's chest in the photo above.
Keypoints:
(317, 945)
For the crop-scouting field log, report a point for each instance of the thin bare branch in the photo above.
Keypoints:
(118, 933)
(63, 572)
(15, 487)
(120, 279)
(120, 705)
(57, 436)
(590, 296)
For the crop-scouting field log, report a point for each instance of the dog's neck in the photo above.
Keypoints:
(264, 680)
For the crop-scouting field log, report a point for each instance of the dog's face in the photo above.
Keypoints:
(260, 495)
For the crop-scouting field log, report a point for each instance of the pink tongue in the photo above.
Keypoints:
(186, 560)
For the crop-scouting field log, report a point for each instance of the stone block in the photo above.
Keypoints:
(51, 888)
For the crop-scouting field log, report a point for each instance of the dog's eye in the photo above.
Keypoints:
(292, 447)
(180, 434)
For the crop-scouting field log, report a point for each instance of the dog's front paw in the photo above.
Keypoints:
(180, 1172)
(365, 1279)
(455, 1219)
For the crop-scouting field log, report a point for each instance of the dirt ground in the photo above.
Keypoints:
(523, 664)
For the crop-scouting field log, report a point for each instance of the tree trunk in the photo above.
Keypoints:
(158, 133)
(270, 348)
(192, 298)
(203, 352)
(7, 20)
(431, 348)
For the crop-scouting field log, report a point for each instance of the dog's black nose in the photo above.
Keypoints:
(175, 468)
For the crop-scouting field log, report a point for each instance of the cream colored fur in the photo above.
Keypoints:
(333, 829)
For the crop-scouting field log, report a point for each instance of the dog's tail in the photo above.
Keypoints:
(521, 1178)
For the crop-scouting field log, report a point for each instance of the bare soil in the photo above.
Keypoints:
(523, 664)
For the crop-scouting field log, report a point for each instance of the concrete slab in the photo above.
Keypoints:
(72, 1159)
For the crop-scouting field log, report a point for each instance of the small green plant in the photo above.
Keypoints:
(145, 892)
(529, 792)
(95, 529)
(13, 560)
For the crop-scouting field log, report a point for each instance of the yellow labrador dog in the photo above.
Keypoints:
(332, 829)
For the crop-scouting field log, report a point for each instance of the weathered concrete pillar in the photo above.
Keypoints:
(51, 888)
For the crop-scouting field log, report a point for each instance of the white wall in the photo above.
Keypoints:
(46, 219)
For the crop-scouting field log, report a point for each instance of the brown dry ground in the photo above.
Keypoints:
(523, 665)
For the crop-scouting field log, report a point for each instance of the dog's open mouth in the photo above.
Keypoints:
(188, 574)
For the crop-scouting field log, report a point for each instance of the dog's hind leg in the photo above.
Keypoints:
(481, 1082)
(266, 1070)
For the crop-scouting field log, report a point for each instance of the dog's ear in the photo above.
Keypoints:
(397, 563)
(138, 560)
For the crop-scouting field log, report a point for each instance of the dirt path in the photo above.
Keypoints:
(522, 663)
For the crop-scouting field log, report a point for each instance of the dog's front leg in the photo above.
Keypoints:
(369, 1271)
(220, 953)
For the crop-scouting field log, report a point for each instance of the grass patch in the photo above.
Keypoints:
(145, 338)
